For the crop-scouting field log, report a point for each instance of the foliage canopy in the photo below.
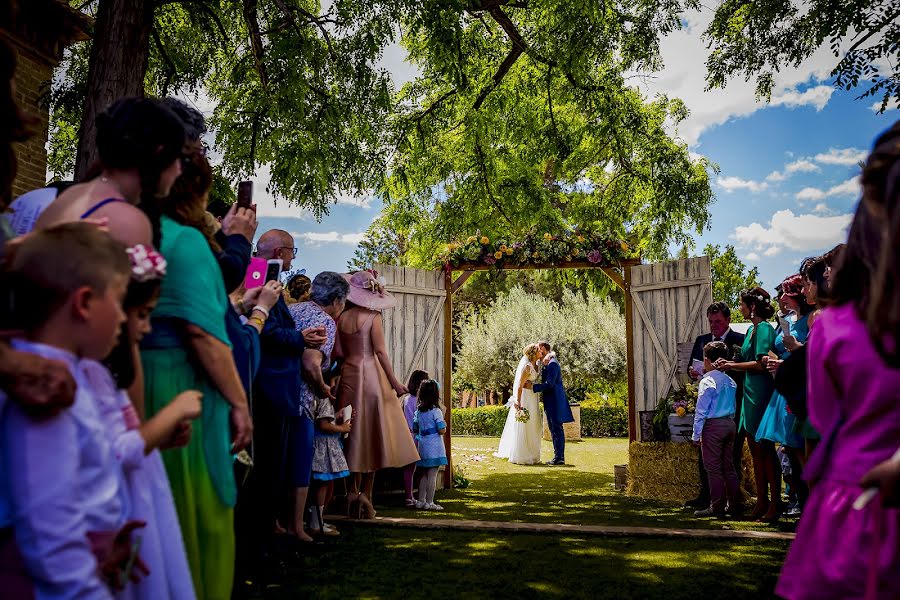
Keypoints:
(729, 276)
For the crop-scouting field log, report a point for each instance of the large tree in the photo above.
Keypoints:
(757, 38)
(729, 276)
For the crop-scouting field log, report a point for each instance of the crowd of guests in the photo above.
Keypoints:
(822, 384)
(164, 429)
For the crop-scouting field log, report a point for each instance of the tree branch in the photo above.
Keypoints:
(171, 71)
(204, 7)
(890, 19)
(487, 185)
(315, 20)
(256, 44)
(502, 70)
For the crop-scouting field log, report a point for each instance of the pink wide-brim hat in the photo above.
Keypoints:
(368, 291)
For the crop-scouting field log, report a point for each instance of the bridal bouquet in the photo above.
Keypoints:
(522, 415)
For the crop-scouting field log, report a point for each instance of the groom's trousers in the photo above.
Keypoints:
(559, 439)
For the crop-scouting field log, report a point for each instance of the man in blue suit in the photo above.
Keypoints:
(556, 404)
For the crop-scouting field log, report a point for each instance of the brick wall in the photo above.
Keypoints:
(33, 75)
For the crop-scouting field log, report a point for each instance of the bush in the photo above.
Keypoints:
(600, 421)
(604, 421)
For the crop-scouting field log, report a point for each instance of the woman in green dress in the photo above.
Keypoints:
(756, 306)
(189, 349)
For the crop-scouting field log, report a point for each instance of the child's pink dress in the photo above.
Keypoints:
(854, 401)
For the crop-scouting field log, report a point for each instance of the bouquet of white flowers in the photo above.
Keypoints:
(522, 415)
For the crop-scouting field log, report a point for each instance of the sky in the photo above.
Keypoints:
(788, 179)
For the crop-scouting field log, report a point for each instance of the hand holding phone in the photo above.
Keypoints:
(273, 269)
(245, 194)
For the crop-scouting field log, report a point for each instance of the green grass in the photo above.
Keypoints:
(379, 562)
(581, 492)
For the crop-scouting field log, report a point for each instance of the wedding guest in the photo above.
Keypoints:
(848, 542)
(327, 299)
(380, 437)
(137, 446)
(778, 424)
(140, 142)
(429, 427)
(714, 431)
(189, 349)
(756, 307)
(328, 463)
(410, 402)
(718, 315)
(60, 482)
(298, 288)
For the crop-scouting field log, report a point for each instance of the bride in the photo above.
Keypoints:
(521, 442)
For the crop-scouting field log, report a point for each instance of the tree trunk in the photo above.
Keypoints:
(119, 57)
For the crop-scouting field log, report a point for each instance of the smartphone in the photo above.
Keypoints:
(256, 273)
(273, 269)
(125, 576)
(245, 194)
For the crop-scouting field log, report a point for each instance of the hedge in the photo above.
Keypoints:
(603, 421)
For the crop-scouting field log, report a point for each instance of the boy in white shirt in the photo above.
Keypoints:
(714, 431)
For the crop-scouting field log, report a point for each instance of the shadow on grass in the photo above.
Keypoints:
(370, 562)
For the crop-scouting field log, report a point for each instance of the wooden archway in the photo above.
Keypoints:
(620, 275)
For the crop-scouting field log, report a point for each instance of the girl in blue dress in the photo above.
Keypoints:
(429, 427)
(778, 424)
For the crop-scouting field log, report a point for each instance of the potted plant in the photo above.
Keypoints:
(681, 405)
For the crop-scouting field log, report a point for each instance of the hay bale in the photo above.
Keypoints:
(667, 471)
(663, 471)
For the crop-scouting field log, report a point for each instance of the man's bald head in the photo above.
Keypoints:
(276, 243)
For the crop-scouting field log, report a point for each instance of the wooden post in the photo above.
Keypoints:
(629, 353)
(448, 378)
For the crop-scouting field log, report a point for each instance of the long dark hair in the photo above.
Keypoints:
(187, 201)
(142, 134)
(415, 380)
(867, 272)
(429, 396)
(120, 361)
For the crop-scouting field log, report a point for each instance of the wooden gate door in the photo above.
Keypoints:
(669, 307)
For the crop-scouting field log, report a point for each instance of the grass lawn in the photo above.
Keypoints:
(580, 493)
(380, 562)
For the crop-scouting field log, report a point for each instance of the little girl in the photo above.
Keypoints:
(135, 444)
(328, 463)
(410, 403)
(429, 426)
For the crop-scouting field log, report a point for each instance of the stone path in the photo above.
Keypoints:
(599, 530)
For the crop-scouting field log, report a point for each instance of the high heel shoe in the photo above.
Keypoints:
(367, 511)
(354, 505)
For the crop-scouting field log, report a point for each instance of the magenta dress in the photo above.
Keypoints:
(854, 401)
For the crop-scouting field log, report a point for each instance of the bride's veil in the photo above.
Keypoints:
(519, 371)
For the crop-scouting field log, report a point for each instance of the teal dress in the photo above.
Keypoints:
(200, 474)
(758, 386)
(778, 424)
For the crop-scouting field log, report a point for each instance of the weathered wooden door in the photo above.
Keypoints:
(414, 329)
(669, 307)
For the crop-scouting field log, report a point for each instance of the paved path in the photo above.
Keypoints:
(602, 530)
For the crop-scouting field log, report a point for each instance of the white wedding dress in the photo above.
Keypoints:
(521, 442)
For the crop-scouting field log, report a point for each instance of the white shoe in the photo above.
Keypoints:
(433, 506)
(421, 505)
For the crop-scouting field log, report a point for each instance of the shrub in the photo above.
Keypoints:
(599, 421)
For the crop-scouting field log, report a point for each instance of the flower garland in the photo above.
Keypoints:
(539, 248)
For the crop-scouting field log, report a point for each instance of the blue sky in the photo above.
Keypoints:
(787, 182)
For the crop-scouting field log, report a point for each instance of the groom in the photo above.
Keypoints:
(556, 405)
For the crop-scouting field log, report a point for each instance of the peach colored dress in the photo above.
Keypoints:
(380, 436)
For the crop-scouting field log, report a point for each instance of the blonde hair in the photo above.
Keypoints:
(531, 352)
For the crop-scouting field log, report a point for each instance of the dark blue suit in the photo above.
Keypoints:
(556, 407)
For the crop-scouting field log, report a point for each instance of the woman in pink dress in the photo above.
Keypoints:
(848, 540)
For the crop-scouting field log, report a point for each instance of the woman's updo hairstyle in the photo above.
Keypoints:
(531, 352)
(759, 302)
(142, 134)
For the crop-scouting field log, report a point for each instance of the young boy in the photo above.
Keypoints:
(714, 425)
(59, 479)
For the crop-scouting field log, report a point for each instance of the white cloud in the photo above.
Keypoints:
(752, 257)
(846, 188)
(841, 156)
(822, 209)
(685, 52)
(817, 96)
(330, 237)
(803, 165)
(730, 184)
(775, 176)
(794, 232)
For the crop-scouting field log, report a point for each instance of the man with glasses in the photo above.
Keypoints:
(277, 415)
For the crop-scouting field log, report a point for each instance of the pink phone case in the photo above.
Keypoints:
(256, 273)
